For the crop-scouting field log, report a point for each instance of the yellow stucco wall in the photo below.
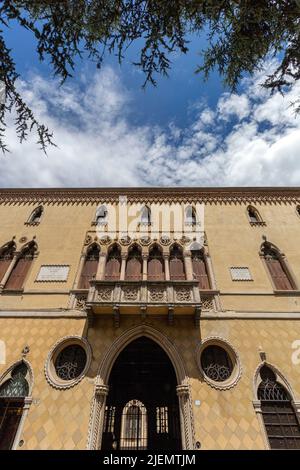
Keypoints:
(225, 419)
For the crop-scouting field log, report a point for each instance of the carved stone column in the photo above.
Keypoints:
(97, 417)
(186, 417)
(123, 266)
(145, 266)
(188, 266)
(101, 266)
(9, 270)
(167, 267)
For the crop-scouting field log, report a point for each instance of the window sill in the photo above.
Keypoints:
(32, 223)
(12, 291)
(290, 292)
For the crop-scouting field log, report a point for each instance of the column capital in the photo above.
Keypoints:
(101, 390)
(183, 390)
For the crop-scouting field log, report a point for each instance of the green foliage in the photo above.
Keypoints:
(240, 35)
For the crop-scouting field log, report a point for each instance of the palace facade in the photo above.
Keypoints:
(160, 319)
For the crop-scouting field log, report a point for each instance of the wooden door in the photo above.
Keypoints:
(200, 272)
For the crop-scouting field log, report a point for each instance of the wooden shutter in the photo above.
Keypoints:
(133, 269)
(200, 273)
(279, 276)
(18, 274)
(112, 269)
(155, 270)
(88, 273)
(177, 269)
(4, 264)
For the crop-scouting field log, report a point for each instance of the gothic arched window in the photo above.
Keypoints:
(6, 257)
(36, 216)
(113, 264)
(200, 269)
(280, 419)
(90, 266)
(156, 271)
(12, 396)
(134, 264)
(21, 268)
(254, 216)
(277, 268)
(177, 271)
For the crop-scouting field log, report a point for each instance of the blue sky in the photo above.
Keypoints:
(185, 131)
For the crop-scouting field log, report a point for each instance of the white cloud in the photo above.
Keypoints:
(248, 139)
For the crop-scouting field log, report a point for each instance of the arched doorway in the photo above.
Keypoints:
(142, 409)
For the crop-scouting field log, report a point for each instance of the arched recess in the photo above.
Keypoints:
(113, 263)
(276, 408)
(177, 269)
(277, 267)
(35, 216)
(15, 399)
(102, 389)
(90, 266)
(21, 266)
(254, 216)
(134, 263)
(156, 268)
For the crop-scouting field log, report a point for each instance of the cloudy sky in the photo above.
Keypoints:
(110, 132)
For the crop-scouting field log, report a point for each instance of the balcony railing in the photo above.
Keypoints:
(153, 298)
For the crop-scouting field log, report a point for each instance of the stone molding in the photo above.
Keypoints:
(148, 195)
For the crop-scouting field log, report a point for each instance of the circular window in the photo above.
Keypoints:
(218, 363)
(68, 362)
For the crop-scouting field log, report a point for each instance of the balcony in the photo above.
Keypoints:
(145, 298)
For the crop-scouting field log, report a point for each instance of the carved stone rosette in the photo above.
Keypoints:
(183, 294)
(105, 294)
(81, 302)
(157, 294)
(130, 293)
(207, 303)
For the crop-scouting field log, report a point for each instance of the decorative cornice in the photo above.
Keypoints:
(150, 195)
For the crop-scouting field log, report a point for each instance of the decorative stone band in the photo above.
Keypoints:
(183, 390)
(145, 195)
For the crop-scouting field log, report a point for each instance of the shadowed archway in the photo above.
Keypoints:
(142, 374)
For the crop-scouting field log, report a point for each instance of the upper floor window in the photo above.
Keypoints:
(200, 271)
(90, 266)
(146, 216)
(134, 264)
(190, 215)
(298, 210)
(21, 267)
(276, 265)
(35, 216)
(113, 264)
(155, 270)
(101, 216)
(6, 257)
(177, 271)
(254, 216)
